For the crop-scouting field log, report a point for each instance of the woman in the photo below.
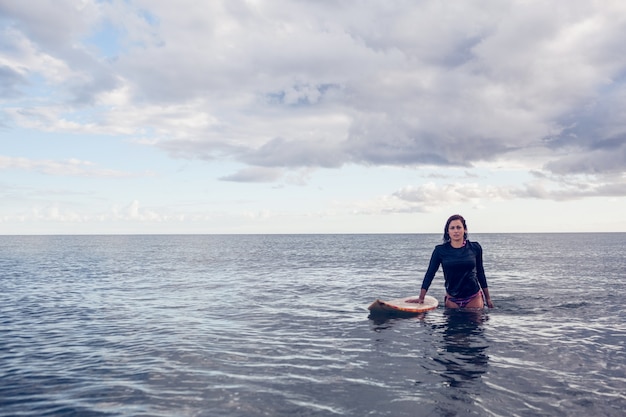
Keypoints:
(463, 271)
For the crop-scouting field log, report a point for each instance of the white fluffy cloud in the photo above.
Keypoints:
(303, 84)
(72, 167)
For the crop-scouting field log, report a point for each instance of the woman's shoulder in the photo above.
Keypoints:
(444, 249)
(474, 245)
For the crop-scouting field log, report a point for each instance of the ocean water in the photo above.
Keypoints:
(277, 325)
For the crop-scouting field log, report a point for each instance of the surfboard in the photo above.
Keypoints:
(403, 306)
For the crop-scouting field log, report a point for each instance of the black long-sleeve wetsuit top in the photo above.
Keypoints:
(463, 269)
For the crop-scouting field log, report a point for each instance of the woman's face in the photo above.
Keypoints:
(456, 230)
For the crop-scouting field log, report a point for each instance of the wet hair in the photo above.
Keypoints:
(446, 235)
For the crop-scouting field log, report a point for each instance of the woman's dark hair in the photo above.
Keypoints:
(446, 235)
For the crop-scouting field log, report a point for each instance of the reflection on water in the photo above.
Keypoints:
(460, 355)
(384, 321)
(444, 352)
(463, 352)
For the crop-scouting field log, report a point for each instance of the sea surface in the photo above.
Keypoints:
(277, 325)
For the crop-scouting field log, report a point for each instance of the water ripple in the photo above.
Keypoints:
(277, 325)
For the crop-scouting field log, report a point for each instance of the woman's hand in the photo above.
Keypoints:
(420, 299)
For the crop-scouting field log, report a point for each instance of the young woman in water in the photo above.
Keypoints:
(463, 272)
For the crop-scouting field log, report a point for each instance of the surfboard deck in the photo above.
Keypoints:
(402, 306)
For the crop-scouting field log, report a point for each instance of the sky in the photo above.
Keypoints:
(304, 116)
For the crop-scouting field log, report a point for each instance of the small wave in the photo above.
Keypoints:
(572, 305)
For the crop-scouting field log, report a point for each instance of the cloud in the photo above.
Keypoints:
(254, 174)
(71, 167)
(595, 136)
(282, 152)
(428, 196)
(602, 157)
(58, 212)
(134, 212)
(53, 24)
(9, 82)
(287, 84)
(46, 46)
(567, 188)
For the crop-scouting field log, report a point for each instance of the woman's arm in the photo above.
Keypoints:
(480, 273)
(480, 268)
(487, 297)
(433, 267)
